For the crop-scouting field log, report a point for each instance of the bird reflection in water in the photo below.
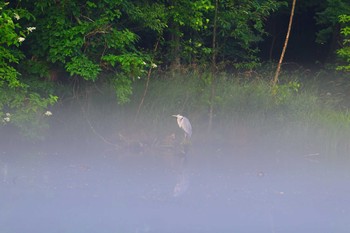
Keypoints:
(182, 183)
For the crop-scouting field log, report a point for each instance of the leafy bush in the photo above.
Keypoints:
(19, 103)
(344, 52)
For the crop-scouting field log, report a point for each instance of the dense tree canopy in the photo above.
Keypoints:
(118, 41)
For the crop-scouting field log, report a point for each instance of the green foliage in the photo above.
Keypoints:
(190, 13)
(186, 21)
(11, 36)
(130, 63)
(150, 15)
(116, 38)
(34, 69)
(19, 104)
(329, 18)
(241, 27)
(27, 110)
(95, 31)
(94, 38)
(123, 88)
(344, 52)
(283, 92)
(83, 67)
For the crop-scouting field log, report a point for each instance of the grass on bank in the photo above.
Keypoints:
(312, 115)
(308, 116)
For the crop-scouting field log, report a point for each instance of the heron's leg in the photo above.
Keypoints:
(186, 140)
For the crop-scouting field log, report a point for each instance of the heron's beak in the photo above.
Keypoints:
(174, 115)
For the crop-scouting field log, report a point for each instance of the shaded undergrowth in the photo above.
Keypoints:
(309, 115)
(305, 116)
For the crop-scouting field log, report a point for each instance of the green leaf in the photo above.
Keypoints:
(83, 67)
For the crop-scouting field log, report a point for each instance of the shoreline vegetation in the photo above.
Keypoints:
(129, 65)
(307, 113)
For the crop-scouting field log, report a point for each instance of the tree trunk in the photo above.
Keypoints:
(213, 68)
(275, 80)
(273, 42)
(148, 79)
(213, 62)
(175, 47)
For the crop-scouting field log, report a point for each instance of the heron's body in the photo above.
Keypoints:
(184, 124)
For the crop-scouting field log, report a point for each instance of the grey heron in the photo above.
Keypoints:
(184, 124)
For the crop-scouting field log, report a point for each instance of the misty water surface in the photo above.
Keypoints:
(73, 184)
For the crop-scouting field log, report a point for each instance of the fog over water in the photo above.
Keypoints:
(71, 183)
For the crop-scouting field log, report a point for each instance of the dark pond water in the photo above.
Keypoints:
(81, 187)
